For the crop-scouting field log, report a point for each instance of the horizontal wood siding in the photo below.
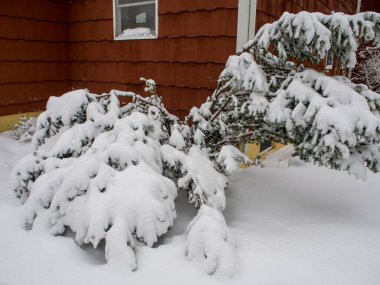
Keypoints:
(371, 5)
(48, 47)
(34, 54)
(270, 10)
(195, 39)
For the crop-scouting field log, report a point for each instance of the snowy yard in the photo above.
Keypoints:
(293, 225)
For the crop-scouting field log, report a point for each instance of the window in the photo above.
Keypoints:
(135, 19)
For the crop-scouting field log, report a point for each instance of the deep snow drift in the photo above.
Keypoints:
(293, 224)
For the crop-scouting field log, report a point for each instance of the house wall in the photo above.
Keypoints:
(194, 41)
(270, 10)
(34, 53)
(371, 5)
(48, 47)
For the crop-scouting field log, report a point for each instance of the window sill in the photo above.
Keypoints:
(135, 38)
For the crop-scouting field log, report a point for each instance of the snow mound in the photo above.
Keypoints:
(136, 32)
(210, 239)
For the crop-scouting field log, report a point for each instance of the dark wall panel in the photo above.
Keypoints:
(182, 49)
(270, 10)
(41, 10)
(371, 5)
(19, 72)
(31, 29)
(15, 93)
(34, 53)
(23, 50)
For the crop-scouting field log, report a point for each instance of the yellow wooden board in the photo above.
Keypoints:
(8, 122)
(253, 151)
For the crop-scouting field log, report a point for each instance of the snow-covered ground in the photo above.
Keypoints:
(294, 224)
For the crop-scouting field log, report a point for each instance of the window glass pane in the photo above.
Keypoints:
(265, 145)
(122, 2)
(142, 16)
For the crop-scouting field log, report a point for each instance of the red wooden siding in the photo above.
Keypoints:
(195, 39)
(270, 10)
(371, 5)
(48, 47)
(34, 54)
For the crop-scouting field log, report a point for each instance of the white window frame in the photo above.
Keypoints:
(246, 22)
(116, 18)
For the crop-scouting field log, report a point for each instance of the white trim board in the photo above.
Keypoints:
(246, 22)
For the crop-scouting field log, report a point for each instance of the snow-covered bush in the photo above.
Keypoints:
(24, 130)
(266, 93)
(112, 173)
(210, 239)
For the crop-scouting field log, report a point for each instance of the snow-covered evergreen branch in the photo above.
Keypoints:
(265, 93)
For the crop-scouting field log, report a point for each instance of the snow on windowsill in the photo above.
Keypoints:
(136, 33)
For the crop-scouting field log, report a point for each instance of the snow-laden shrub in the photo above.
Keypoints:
(60, 112)
(328, 122)
(112, 173)
(210, 240)
(24, 130)
(311, 36)
(265, 93)
(115, 189)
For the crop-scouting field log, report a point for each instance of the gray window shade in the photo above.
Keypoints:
(138, 16)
